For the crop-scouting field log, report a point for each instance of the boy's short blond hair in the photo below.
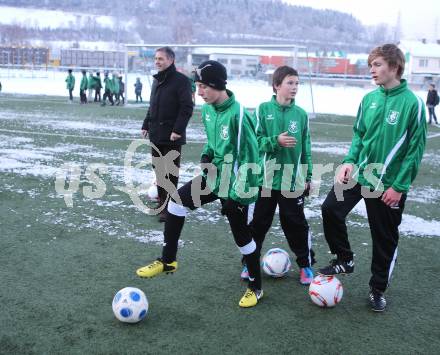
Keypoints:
(392, 55)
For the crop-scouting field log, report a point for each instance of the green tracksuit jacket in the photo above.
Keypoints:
(272, 120)
(108, 84)
(390, 129)
(70, 82)
(115, 85)
(83, 84)
(232, 146)
(91, 82)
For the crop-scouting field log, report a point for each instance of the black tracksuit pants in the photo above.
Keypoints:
(164, 170)
(293, 223)
(109, 95)
(237, 219)
(97, 95)
(83, 96)
(384, 222)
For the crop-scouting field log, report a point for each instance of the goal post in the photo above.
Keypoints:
(241, 60)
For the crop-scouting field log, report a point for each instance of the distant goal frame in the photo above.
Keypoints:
(293, 47)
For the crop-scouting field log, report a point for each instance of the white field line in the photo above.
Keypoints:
(433, 136)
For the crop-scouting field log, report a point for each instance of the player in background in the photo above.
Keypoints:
(115, 87)
(231, 148)
(98, 87)
(83, 88)
(138, 90)
(432, 101)
(284, 139)
(390, 130)
(70, 84)
(108, 90)
(121, 90)
(90, 86)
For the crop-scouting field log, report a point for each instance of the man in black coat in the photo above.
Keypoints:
(432, 102)
(170, 109)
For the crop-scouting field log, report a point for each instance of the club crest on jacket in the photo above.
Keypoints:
(393, 117)
(224, 133)
(293, 127)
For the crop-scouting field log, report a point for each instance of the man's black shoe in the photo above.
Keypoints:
(337, 267)
(377, 300)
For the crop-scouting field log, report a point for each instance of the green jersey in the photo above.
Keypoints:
(108, 84)
(390, 130)
(294, 164)
(70, 82)
(83, 84)
(232, 147)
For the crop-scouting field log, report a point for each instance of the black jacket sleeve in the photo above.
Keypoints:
(186, 105)
(146, 124)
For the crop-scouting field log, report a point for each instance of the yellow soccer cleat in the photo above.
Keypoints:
(157, 267)
(250, 298)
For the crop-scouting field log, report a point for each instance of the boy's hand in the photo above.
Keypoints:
(391, 197)
(286, 141)
(174, 136)
(344, 173)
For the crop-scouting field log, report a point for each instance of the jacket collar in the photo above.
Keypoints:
(395, 90)
(162, 75)
(282, 107)
(227, 103)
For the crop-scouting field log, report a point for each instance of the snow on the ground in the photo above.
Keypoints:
(22, 157)
(338, 100)
(43, 18)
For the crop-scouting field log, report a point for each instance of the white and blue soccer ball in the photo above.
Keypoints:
(130, 305)
(276, 262)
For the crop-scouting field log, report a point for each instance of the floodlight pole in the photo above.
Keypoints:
(126, 75)
(310, 81)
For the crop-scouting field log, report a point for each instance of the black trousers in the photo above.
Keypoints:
(138, 97)
(109, 95)
(164, 170)
(70, 94)
(237, 220)
(431, 111)
(97, 95)
(83, 96)
(384, 222)
(293, 223)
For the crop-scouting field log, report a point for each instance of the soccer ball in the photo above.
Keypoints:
(130, 305)
(276, 262)
(152, 192)
(326, 291)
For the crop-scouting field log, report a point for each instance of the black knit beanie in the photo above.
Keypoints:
(213, 74)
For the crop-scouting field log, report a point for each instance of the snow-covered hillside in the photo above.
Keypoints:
(54, 19)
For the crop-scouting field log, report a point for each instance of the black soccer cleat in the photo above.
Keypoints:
(377, 300)
(337, 267)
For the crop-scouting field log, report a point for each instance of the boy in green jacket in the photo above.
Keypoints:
(70, 84)
(284, 139)
(230, 162)
(83, 88)
(386, 150)
(108, 90)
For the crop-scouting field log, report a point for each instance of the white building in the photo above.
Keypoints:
(422, 61)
